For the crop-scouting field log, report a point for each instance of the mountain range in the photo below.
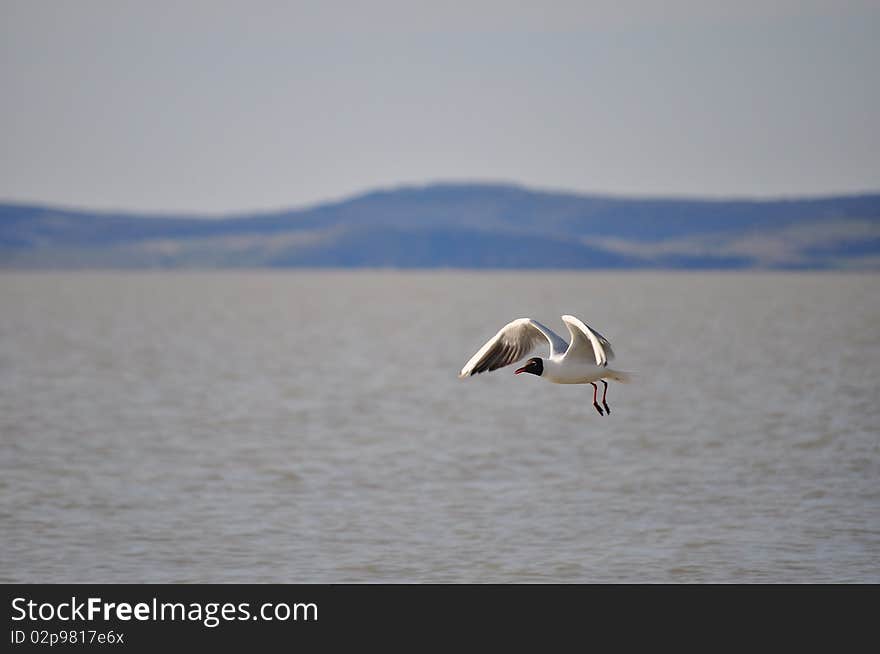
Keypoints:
(462, 226)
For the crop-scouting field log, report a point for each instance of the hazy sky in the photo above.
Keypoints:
(224, 106)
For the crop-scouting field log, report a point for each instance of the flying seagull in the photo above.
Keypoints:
(585, 361)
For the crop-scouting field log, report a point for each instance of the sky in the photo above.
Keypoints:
(221, 107)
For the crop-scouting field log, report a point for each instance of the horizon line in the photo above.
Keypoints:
(440, 183)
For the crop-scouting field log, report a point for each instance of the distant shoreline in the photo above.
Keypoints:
(466, 226)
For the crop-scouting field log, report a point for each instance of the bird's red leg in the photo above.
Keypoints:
(604, 393)
(595, 401)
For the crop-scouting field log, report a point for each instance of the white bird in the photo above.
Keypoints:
(584, 361)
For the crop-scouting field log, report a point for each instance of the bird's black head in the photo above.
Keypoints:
(535, 366)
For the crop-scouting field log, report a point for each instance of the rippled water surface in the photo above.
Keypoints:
(310, 427)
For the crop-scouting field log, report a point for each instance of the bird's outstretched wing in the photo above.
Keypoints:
(587, 342)
(513, 342)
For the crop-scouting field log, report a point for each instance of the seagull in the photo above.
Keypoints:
(585, 361)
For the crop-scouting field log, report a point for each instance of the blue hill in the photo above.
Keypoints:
(463, 226)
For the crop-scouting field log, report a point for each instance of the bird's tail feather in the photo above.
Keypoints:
(619, 375)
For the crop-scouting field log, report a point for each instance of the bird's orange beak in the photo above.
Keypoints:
(519, 370)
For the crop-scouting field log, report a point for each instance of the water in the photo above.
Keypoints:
(309, 427)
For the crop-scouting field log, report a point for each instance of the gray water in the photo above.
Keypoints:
(310, 427)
